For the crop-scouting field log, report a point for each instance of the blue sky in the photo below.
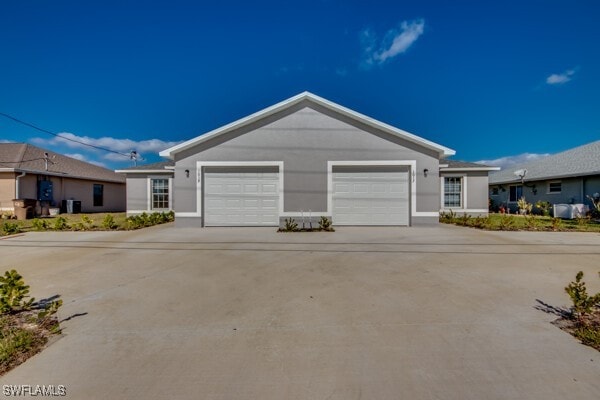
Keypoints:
(491, 79)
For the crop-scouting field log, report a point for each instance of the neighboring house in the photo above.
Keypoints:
(149, 187)
(29, 172)
(307, 157)
(563, 178)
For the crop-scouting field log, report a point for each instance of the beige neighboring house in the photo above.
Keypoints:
(29, 172)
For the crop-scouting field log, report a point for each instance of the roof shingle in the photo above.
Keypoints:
(579, 161)
(29, 158)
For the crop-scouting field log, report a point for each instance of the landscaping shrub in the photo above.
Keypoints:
(544, 207)
(325, 224)
(23, 333)
(143, 220)
(524, 207)
(39, 224)
(13, 291)
(556, 224)
(290, 225)
(582, 302)
(60, 224)
(109, 222)
(10, 228)
(86, 223)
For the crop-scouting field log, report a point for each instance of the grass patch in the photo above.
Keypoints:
(20, 338)
(510, 222)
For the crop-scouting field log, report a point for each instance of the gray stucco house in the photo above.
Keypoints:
(307, 157)
(563, 178)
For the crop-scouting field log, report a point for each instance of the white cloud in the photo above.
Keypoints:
(123, 146)
(558, 79)
(509, 161)
(76, 156)
(6, 141)
(396, 41)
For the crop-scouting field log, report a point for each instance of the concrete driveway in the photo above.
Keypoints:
(375, 313)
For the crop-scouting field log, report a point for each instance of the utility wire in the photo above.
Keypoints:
(133, 155)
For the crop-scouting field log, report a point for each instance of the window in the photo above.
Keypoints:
(515, 193)
(98, 195)
(160, 194)
(452, 192)
(495, 191)
(554, 187)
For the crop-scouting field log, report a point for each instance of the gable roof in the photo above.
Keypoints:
(456, 165)
(161, 166)
(442, 150)
(23, 157)
(579, 161)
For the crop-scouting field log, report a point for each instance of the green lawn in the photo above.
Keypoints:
(505, 222)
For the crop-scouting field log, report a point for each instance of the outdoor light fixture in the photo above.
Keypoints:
(187, 173)
(425, 172)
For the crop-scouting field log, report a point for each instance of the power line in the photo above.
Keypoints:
(133, 155)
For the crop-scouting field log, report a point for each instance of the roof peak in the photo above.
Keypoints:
(306, 95)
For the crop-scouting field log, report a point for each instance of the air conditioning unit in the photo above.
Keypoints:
(570, 211)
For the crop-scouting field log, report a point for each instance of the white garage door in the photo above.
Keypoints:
(241, 198)
(370, 198)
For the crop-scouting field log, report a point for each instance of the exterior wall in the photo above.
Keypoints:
(474, 196)
(305, 137)
(7, 190)
(138, 191)
(573, 191)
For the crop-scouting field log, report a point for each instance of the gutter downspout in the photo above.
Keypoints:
(17, 184)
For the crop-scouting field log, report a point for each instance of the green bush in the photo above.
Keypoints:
(290, 225)
(447, 217)
(10, 228)
(13, 292)
(582, 302)
(544, 207)
(325, 223)
(109, 222)
(60, 224)
(86, 223)
(556, 224)
(39, 224)
(144, 219)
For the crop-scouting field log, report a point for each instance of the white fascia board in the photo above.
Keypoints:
(144, 171)
(466, 169)
(60, 174)
(444, 151)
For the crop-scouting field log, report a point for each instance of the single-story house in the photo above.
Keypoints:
(30, 172)
(307, 157)
(563, 178)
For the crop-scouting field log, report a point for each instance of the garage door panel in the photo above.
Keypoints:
(241, 198)
(370, 198)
